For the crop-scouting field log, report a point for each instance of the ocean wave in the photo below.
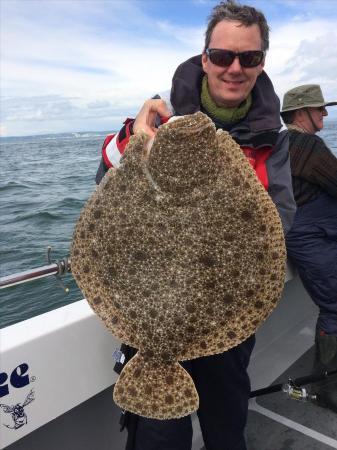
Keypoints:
(27, 184)
(13, 185)
(39, 216)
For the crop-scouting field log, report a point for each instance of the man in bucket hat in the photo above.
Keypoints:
(304, 107)
(312, 241)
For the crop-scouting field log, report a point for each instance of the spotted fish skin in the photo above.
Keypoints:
(181, 253)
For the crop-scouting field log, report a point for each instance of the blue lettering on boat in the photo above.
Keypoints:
(18, 378)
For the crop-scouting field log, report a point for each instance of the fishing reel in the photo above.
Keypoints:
(63, 267)
(294, 388)
(296, 392)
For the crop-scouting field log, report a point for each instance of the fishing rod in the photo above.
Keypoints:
(294, 389)
(56, 268)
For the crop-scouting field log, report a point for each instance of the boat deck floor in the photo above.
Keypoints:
(276, 422)
(280, 423)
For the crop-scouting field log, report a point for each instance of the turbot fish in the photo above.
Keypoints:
(180, 251)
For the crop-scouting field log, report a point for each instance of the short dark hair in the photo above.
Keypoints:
(288, 117)
(247, 15)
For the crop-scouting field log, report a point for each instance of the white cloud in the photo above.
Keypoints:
(97, 63)
(304, 53)
(75, 64)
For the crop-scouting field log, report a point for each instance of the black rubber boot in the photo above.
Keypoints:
(326, 361)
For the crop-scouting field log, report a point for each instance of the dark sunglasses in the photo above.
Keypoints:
(224, 58)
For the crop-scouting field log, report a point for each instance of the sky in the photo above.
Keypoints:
(86, 65)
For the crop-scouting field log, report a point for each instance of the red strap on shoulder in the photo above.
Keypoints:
(258, 158)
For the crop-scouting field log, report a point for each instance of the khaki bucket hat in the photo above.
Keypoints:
(307, 95)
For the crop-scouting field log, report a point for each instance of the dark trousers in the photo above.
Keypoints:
(312, 246)
(224, 387)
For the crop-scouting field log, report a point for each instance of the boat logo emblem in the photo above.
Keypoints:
(17, 411)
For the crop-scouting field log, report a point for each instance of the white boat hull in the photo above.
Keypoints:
(68, 352)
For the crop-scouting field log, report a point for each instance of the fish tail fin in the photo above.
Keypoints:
(156, 390)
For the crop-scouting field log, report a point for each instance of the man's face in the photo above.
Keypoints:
(317, 115)
(310, 119)
(229, 86)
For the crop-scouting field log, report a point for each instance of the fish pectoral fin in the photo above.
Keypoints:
(156, 390)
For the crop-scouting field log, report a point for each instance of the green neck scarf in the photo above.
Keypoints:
(228, 115)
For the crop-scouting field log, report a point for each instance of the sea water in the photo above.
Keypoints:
(44, 183)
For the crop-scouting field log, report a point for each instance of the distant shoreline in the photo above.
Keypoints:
(65, 134)
(93, 133)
